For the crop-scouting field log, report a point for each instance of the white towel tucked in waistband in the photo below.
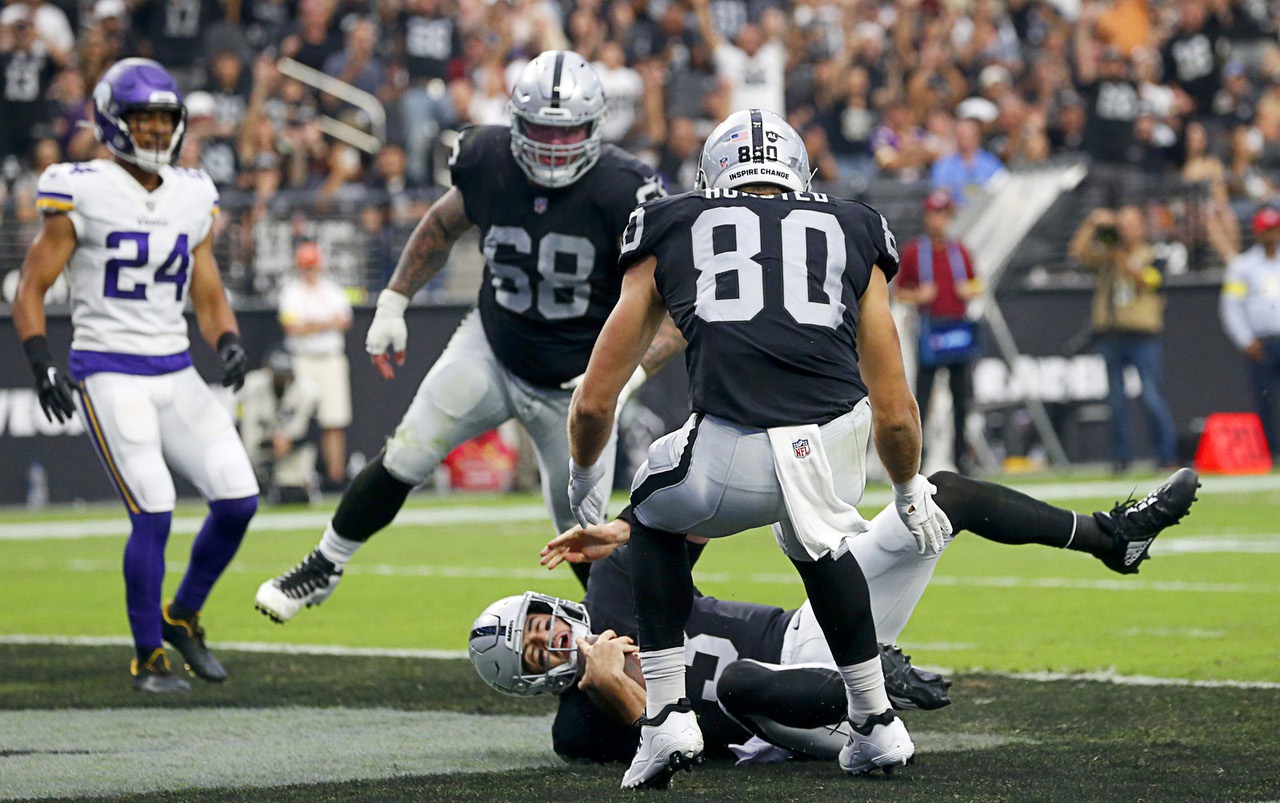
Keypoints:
(822, 520)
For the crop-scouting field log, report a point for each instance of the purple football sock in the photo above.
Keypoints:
(143, 577)
(214, 547)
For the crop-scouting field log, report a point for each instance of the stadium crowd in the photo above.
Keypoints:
(931, 93)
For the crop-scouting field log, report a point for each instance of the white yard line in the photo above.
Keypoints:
(764, 578)
(266, 521)
(1108, 676)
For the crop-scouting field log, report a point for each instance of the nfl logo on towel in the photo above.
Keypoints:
(540, 204)
(801, 448)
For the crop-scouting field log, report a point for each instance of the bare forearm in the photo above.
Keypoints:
(215, 320)
(28, 311)
(898, 444)
(428, 248)
(667, 343)
(588, 431)
(619, 695)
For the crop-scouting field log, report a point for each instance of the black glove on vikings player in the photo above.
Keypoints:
(235, 363)
(56, 391)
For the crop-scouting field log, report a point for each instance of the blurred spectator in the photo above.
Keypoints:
(625, 91)
(172, 33)
(276, 411)
(1066, 130)
(357, 64)
(1245, 178)
(315, 315)
(390, 176)
(1215, 218)
(310, 40)
(229, 87)
(1236, 103)
(1111, 101)
(1250, 311)
(899, 145)
(1128, 324)
(50, 26)
(938, 278)
(431, 41)
(678, 160)
(1191, 54)
(209, 145)
(27, 69)
(754, 66)
(966, 172)
(849, 123)
(378, 248)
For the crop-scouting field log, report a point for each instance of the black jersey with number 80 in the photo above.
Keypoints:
(765, 289)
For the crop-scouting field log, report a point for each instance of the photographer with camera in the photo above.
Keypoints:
(1128, 323)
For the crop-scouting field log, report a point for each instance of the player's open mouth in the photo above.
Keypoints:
(562, 640)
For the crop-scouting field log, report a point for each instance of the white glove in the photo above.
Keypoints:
(388, 330)
(637, 379)
(926, 521)
(587, 498)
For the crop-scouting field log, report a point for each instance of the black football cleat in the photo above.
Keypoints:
(1134, 525)
(909, 687)
(188, 637)
(155, 675)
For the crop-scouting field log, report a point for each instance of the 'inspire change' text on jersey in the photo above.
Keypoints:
(551, 255)
(765, 289)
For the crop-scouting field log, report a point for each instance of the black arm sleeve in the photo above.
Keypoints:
(583, 732)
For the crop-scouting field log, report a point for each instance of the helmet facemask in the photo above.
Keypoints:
(549, 164)
(134, 85)
(152, 160)
(558, 91)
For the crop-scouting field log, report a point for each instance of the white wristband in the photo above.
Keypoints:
(391, 300)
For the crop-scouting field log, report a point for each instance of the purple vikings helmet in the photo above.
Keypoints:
(129, 85)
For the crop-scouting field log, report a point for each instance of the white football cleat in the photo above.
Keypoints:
(880, 742)
(670, 742)
(309, 583)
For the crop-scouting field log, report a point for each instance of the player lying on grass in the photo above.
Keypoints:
(757, 670)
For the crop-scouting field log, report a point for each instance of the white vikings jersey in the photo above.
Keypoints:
(130, 270)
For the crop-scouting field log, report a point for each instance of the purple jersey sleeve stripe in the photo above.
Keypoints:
(59, 195)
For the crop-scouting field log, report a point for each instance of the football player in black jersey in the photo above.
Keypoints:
(756, 670)
(782, 297)
(551, 202)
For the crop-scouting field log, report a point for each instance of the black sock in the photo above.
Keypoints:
(662, 583)
(841, 603)
(1007, 516)
(370, 503)
(177, 611)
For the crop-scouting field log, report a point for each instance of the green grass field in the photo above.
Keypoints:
(1005, 621)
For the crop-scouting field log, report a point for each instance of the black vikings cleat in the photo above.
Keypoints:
(1133, 526)
(909, 687)
(307, 584)
(188, 637)
(156, 676)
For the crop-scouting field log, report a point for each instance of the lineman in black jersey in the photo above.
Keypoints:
(551, 202)
(782, 295)
(759, 670)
